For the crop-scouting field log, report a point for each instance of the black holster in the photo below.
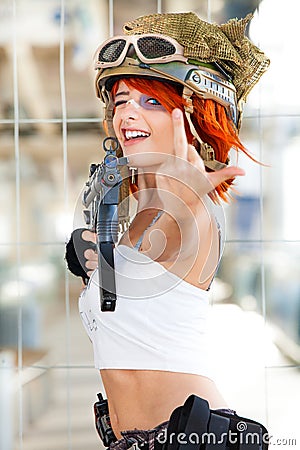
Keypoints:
(102, 422)
(194, 426)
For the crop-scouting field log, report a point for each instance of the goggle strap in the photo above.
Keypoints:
(109, 113)
(207, 153)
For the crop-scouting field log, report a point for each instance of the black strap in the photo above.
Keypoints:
(217, 432)
(107, 282)
(187, 424)
(251, 437)
(197, 413)
(172, 430)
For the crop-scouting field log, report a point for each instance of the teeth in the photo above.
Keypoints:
(130, 134)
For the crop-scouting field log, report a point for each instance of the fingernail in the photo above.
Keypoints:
(176, 113)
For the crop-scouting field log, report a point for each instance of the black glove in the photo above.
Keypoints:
(74, 255)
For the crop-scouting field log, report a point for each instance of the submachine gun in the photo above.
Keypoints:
(100, 198)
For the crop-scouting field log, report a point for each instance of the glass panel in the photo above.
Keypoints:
(273, 141)
(62, 424)
(282, 275)
(121, 12)
(6, 62)
(240, 270)
(83, 37)
(263, 280)
(47, 380)
(38, 60)
(238, 354)
(283, 403)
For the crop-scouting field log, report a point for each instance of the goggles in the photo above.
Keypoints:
(149, 48)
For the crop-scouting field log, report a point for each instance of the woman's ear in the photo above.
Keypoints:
(105, 127)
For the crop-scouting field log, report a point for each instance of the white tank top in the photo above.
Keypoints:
(159, 322)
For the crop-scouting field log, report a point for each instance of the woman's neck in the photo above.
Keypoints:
(147, 191)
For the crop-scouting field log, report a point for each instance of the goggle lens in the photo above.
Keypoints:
(155, 47)
(112, 51)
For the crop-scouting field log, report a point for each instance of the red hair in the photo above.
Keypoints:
(209, 118)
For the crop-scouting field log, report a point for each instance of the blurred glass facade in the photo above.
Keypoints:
(50, 132)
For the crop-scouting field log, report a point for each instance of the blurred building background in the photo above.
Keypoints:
(50, 132)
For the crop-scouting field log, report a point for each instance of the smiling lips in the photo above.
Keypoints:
(134, 134)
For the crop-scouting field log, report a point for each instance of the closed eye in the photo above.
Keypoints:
(120, 102)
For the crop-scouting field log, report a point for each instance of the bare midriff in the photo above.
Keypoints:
(143, 399)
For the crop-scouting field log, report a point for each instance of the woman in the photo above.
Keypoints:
(174, 104)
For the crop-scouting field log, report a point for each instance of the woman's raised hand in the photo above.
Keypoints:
(182, 179)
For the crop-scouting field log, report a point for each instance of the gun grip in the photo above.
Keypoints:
(81, 245)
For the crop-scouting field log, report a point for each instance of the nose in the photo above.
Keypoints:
(130, 110)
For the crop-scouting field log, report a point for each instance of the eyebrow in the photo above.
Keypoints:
(122, 93)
